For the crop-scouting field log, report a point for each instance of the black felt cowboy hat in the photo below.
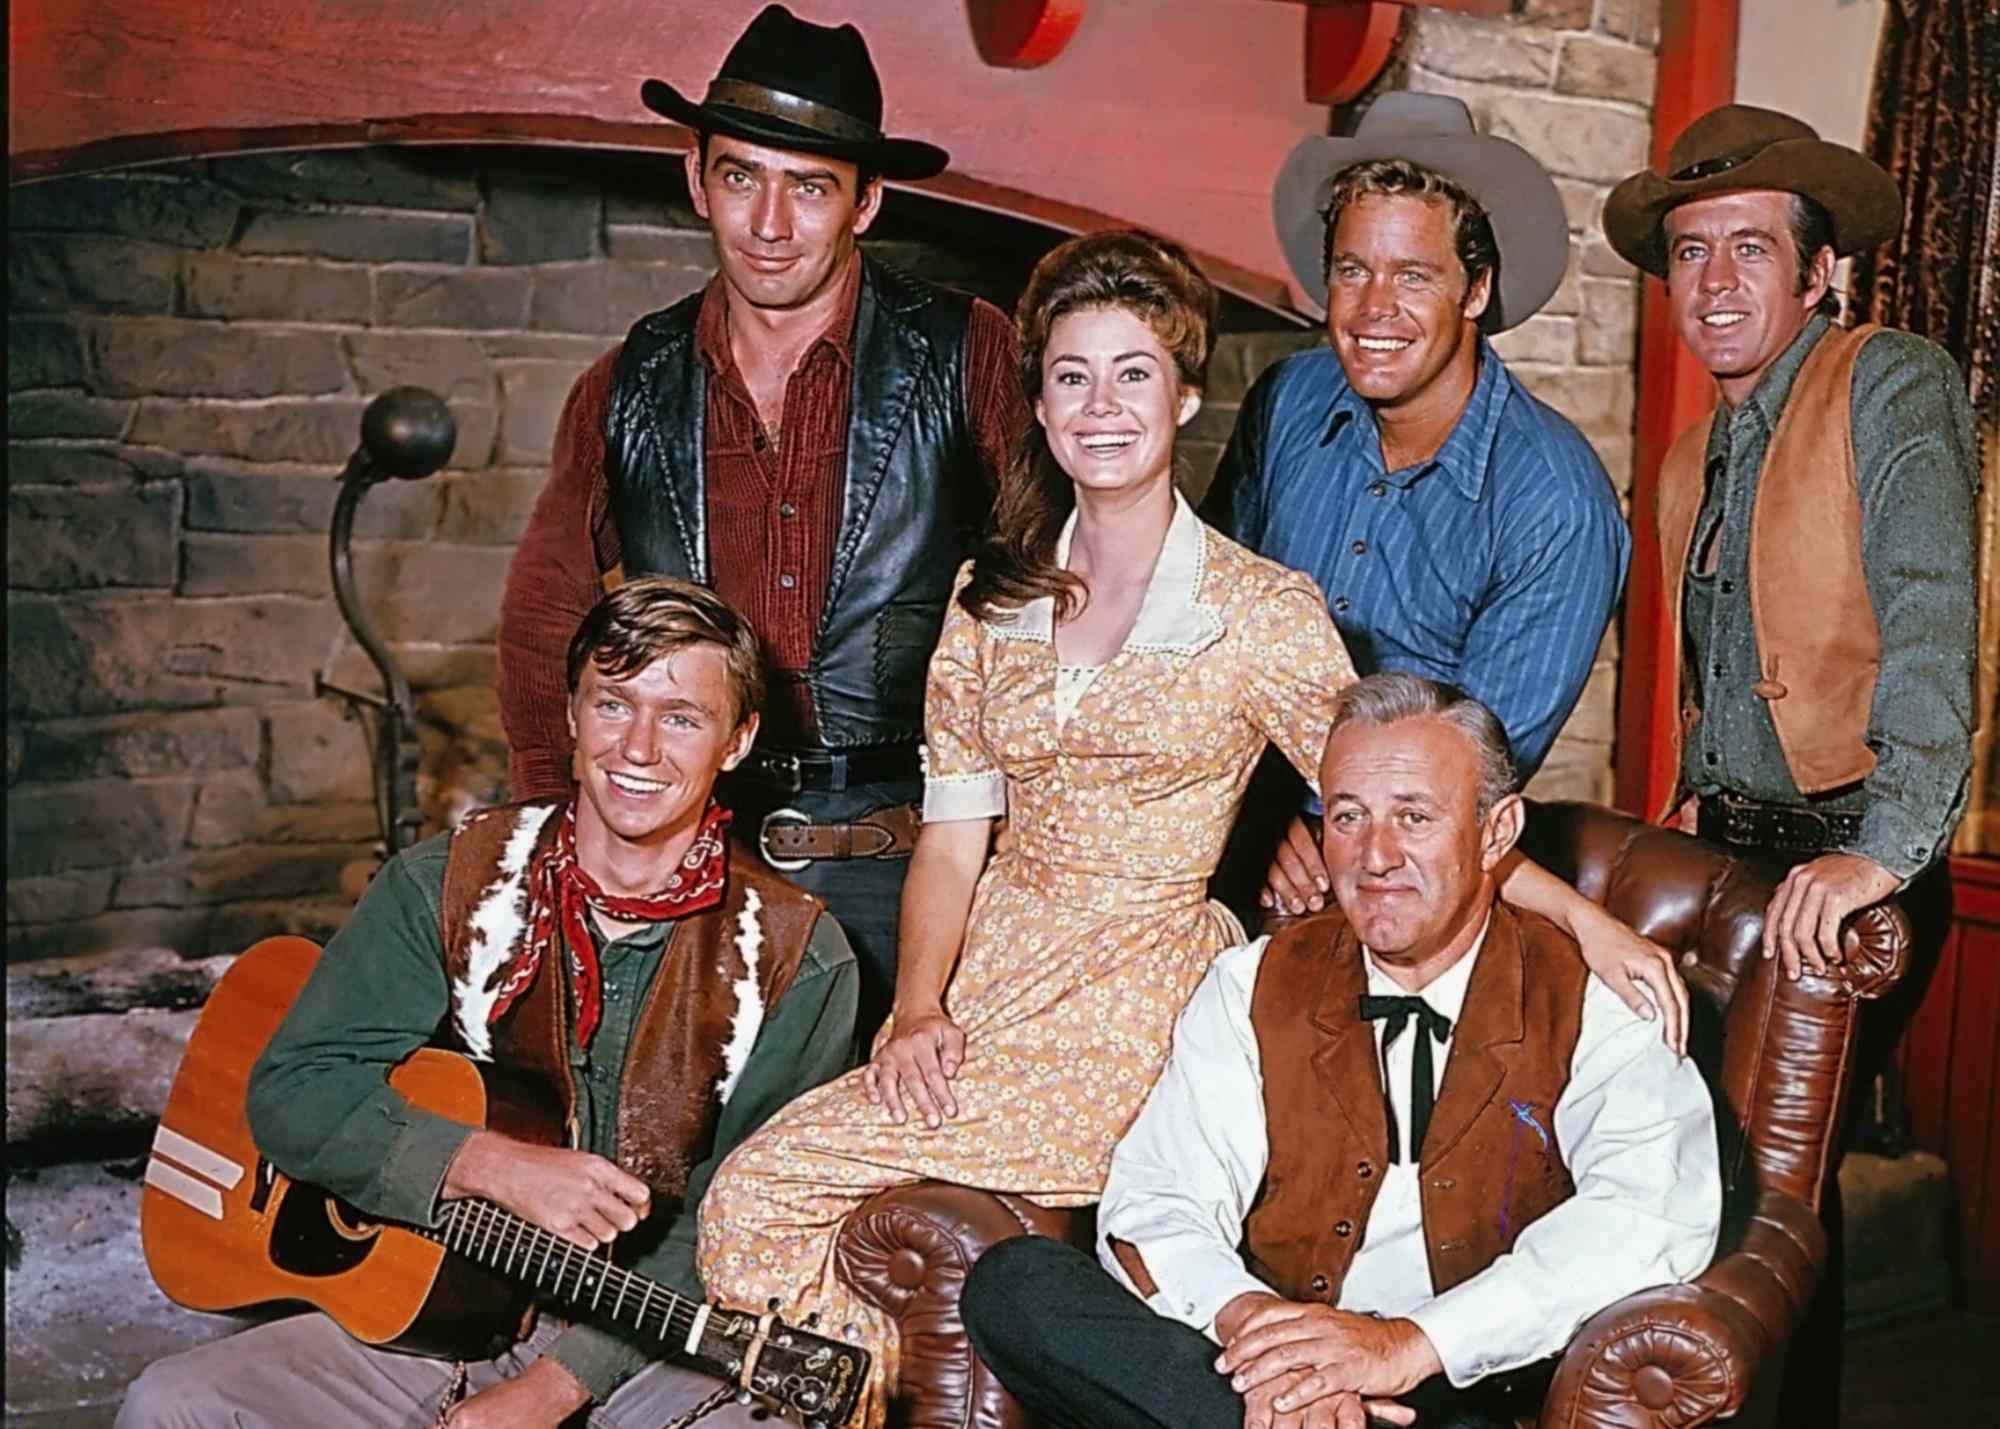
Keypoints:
(791, 84)
(1740, 146)
(1434, 131)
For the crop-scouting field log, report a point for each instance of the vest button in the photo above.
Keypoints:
(1340, 605)
(1343, 1228)
(787, 510)
(1444, 1183)
(1378, 488)
(1319, 1284)
(1769, 690)
(1729, 587)
(1364, 1170)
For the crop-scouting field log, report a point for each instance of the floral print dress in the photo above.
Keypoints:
(1091, 923)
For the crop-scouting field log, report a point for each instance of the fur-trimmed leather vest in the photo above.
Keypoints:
(720, 974)
(1818, 645)
(1490, 1166)
(912, 507)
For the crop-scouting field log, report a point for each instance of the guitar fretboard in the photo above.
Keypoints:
(502, 1241)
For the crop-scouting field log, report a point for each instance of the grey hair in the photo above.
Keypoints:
(1391, 696)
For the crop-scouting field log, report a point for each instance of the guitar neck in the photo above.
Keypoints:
(566, 1272)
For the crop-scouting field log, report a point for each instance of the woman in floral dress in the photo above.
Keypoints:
(1108, 676)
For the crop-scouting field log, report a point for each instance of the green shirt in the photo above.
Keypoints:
(1918, 480)
(321, 1108)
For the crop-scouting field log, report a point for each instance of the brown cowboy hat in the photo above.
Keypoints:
(1435, 131)
(1740, 146)
(790, 84)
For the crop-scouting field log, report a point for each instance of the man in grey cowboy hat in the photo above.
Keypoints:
(1460, 529)
(1815, 536)
(813, 435)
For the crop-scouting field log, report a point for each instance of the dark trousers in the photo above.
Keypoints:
(1082, 1352)
(864, 894)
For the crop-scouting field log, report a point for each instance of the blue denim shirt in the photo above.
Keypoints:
(1493, 566)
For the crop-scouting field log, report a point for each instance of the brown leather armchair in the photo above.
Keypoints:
(1776, 1052)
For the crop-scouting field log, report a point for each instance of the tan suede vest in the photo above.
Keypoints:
(700, 1015)
(1817, 640)
(1490, 1165)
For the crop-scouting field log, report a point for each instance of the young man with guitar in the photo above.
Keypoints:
(609, 950)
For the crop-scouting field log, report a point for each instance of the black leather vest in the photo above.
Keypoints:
(916, 498)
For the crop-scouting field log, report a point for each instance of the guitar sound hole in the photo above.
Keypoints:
(306, 1241)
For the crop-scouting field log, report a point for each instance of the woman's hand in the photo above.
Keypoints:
(1638, 969)
(918, 1059)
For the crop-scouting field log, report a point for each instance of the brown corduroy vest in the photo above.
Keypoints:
(670, 1094)
(1490, 1165)
(1817, 640)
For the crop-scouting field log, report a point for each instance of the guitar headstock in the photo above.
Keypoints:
(817, 1378)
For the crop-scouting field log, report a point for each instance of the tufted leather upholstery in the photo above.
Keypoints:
(1775, 1052)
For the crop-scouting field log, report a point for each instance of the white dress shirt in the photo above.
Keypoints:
(1635, 1124)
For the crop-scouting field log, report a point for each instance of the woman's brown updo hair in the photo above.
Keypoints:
(1154, 280)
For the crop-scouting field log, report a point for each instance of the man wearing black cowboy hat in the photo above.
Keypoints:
(1461, 529)
(1815, 536)
(814, 436)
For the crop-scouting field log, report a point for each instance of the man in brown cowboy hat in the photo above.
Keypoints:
(814, 436)
(1815, 536)
(1815, 533)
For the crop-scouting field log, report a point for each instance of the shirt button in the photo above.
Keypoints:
(1729, 587)
(1343, 1228)
(1360, 548)
(787, 581)
(1378, 488)
(1711, 759)
(1365, 1169)
(787, 510)
(1341, 604)
(1320, 1284)
(1716, 668)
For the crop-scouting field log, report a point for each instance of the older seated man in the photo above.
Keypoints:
(1366, 1226)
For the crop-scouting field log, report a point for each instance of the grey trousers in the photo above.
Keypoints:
(307, 1373)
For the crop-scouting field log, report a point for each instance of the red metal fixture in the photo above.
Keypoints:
(1023, 34)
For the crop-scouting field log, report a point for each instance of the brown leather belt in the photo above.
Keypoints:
(1779, 828)
(789, 840)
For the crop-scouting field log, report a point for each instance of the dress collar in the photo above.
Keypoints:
(1173, 618)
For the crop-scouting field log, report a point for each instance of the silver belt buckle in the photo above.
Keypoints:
(780, 816)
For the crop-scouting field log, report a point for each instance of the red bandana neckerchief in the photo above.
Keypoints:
(559, 891)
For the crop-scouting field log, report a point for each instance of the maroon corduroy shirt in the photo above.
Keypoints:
(774, 509)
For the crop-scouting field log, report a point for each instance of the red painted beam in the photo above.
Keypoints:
(1697, 72)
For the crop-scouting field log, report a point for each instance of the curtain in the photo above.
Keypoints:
(1934, 123)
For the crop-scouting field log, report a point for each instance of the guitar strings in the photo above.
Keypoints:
(488, 1234)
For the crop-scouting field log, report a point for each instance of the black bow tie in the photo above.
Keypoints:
(1431, 1024)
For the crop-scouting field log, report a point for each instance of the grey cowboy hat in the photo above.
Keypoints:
(1740, 146)
(1435, 131)
(790, 84)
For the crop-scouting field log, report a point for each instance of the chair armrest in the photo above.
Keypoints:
(907, 1251)
(1683, 1355)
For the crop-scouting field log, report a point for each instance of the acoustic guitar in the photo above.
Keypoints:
(224, 1229)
